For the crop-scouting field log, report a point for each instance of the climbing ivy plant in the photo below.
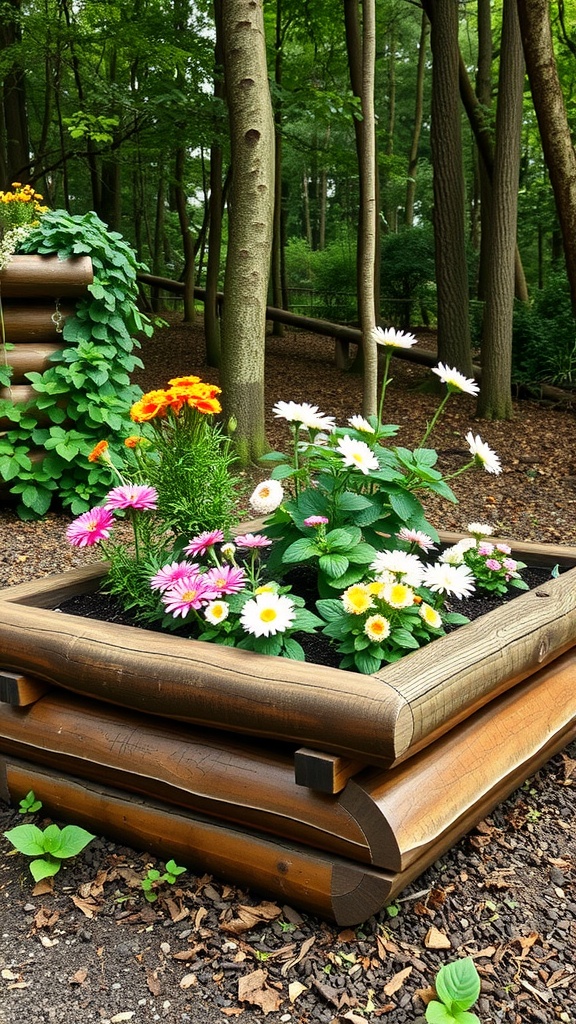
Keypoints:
(86, 393)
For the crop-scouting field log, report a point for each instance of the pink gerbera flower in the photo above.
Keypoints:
(316, 521)
(199, 545)
(137, 496)
(188, 594)
(252, 540)
(226, 579)
(168, 575)
(90, 528)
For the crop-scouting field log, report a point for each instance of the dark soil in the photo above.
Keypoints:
(94, 950)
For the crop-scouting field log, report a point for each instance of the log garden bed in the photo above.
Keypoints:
(324, 788)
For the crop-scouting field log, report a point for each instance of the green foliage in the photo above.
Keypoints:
(457, 987)
(154, 879)
(49, 847)
(407, 276)
(88, 384)
(544, 337)
(323, 282)
(29, 804)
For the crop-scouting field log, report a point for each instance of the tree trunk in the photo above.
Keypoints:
(553, 123)
(368, 212)
(187, 239)
(250, 223)
(484, 96)
(454, 344)
(413, 156)
(211, 316)
(495, 399)
(276, 265)
(16, 158)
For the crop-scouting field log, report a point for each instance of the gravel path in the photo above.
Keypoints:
(94, 950)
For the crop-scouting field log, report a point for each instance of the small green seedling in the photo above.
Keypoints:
(29, 804)
(50, 847)
(457, 987)
(154, 879)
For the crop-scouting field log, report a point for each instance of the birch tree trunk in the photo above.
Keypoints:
(251, 210)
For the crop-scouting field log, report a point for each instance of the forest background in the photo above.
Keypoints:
(450, 123)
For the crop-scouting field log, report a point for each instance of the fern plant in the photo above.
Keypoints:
(88, 381)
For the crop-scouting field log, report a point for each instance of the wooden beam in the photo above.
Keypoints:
(325, 773)
(329, 886)
(39, 277)
(32, 323)
(20, 691)
(34, 357)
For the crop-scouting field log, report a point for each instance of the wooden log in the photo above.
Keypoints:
(247, 783)
(49, 591)
(377, 719)
(325, 773)
(21, 691)
(31, 358)
(329, 886)
(40, 277)
(416, 811)
(26, 321)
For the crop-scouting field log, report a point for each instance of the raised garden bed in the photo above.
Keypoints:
(324, 788)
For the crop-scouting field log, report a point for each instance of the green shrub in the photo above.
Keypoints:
(544, 337)
(407, 276)
(88, 383)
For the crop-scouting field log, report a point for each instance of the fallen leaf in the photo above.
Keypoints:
(348, 935)
(397, 981)
(569, 766)
(199, 916)
(435, 939)
(232, 1011)
(9, 975)
(426, 994)
(525, 942)
(188, 981)
(176, 910)
(354, 1017)
(295, 989)
(79, 978)
(253, 988)
(45, 918)
(19, 984)
(153, 982)
(248, 917)
(89, 907)
(307, 945)
(184, 954)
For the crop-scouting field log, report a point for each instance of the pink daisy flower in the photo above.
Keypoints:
(226, 579)
(137, 496)
(168, 575)
(252, 540)
(418, 537)
(90, 528)
(187, 595)
(199, 545)
(316, 521)
(494, 564)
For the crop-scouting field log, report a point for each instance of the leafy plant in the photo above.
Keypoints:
(88, 383)
(29, 804)
(154, 879)
(49, 847)
(457, 987)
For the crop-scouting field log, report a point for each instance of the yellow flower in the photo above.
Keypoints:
(430, 616)
(357, 599)
(377, 628)
(398, 595)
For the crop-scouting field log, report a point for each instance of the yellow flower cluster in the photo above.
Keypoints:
(22, 206)
(183, 391)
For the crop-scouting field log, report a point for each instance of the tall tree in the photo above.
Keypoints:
(251, 209)
(14, 150)
(495, 399)
(555, 132)
(418, 113)
(454, 342)
(368, 211)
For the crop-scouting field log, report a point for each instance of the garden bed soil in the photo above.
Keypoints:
(94, 950)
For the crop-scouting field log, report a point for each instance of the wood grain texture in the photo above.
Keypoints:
(30, 357)
(331, 887)
(247, 782)
(20, 690)
(39, 277)
(49, 591)
(28, 322)
(428, 802)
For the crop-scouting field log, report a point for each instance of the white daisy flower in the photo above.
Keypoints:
(268, 614)
(430, 616)
(357, 454)
(402, 564)
(455, 580)
(455, 554)
(357, 599)
(377, 628)
(398, 595)
(455, 380)
(267, 496)
(216, 612)
(391, 338)
(304, 414)
(418, 537)
(359, 423)
(483, 454)
(480, 529)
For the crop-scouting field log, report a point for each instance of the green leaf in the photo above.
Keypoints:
(343, 538)
(28, 839)
(405, 505)
(437, 1013)
(458, 983)
(44, 868)
(329, 609)
(72, 840)
(300, 551)
(333, 565)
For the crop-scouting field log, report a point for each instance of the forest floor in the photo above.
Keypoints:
(93, 950)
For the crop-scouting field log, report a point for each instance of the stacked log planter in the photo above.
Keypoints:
(38, 294)
(323, 788)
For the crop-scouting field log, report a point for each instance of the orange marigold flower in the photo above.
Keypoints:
(153, 404)
(97, 451)
(133, 441)
(208, 406)
(178, 381)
